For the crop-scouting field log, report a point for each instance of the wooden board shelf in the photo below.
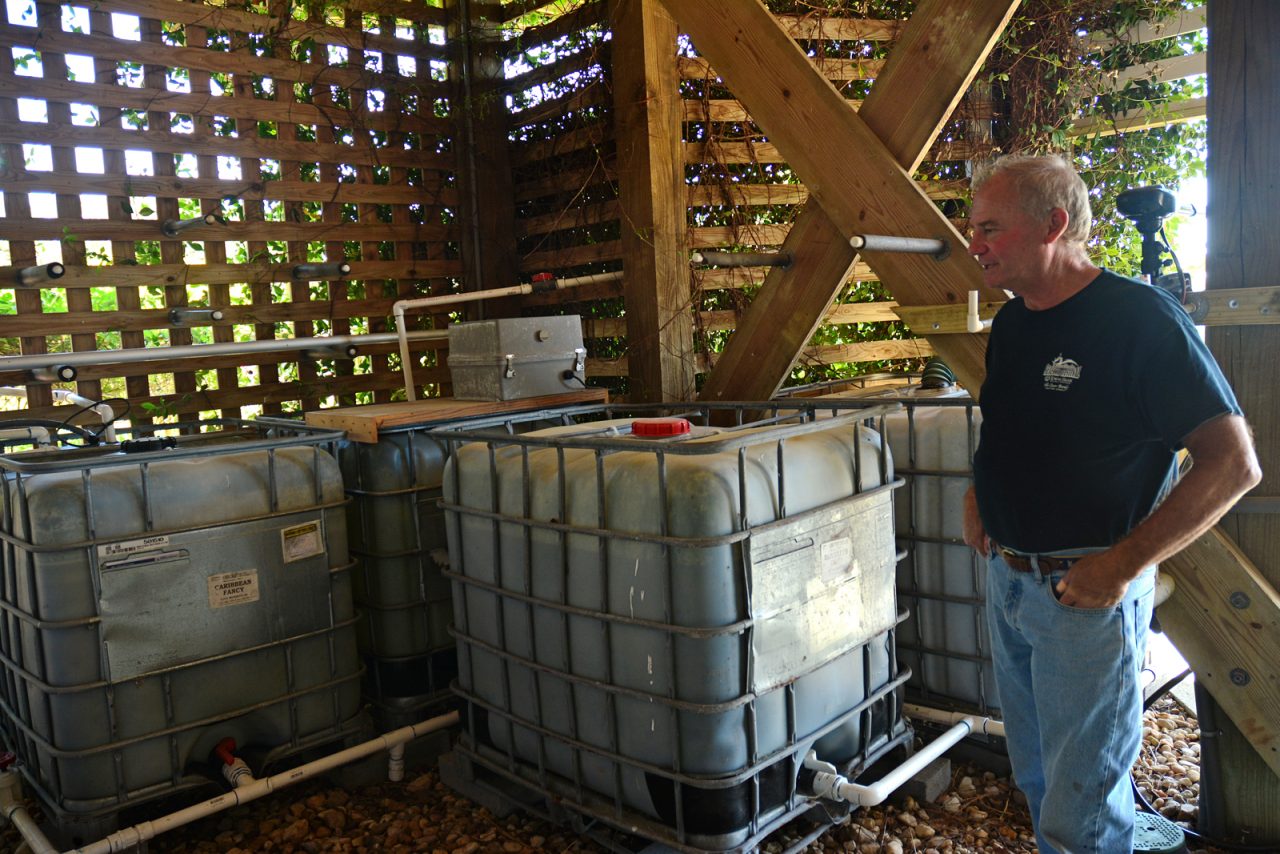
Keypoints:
(363, 423)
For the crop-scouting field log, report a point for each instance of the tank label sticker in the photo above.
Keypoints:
(837, 554)
(128, 547)
(233, 588)
(302, 541)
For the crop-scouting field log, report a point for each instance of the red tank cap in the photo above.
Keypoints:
(658, 427)
(542, 277)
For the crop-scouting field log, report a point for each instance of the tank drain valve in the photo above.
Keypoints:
(234, 768)
(822, 778)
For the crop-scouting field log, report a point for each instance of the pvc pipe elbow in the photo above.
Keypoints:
(972, 322)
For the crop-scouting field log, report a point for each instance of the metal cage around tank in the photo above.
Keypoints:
(154, 602)
(941, 581)
(654, 633)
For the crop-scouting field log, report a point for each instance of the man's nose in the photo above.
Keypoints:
(977, 245)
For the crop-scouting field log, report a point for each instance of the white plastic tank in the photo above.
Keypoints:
(397, 535)
(656, 629)
(941, 582)
(157, 602)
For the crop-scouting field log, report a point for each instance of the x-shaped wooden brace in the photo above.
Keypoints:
(857, 166)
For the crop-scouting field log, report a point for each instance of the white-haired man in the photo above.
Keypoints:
(1094, 383)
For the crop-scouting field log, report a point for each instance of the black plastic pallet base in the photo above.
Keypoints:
(503, 797)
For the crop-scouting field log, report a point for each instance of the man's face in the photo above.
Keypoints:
(1007, 242)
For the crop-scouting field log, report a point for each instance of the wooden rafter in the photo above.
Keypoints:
(857, 166)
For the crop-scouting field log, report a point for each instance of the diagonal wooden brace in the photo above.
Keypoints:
(857, 167)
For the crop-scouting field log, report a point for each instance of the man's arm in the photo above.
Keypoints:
(1224, 467)
(975, 534)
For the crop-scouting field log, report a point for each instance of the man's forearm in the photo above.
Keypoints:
(1224, 467)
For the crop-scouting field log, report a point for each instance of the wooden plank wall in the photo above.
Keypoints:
(741, 194)
(320, 130)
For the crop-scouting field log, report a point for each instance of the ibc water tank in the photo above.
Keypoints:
(654, 630)
(156, 602)
(941, 582)
(397, 535)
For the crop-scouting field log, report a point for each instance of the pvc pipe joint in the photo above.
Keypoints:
(972, 322)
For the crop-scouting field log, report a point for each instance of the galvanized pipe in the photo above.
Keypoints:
(742, 259)
(939, 249)
(151, 354)
(33, 277)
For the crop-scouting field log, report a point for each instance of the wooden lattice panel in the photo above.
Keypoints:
(320, 132)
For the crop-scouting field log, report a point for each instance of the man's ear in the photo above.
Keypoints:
(1059, 219)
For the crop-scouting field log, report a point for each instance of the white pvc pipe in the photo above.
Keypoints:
(972, 322)
(103, 410)
(130, 837)
(398, 310)
(13, 810)
(986, 726)
(827, 783)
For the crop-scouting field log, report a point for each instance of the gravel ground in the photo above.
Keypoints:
(979, 813)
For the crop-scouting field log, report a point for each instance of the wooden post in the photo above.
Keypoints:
(1244, 122)
(486, 195)
(648, 112)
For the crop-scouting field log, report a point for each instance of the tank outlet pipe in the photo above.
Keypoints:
(939, 249)
(54, 374)
(972, 322)
(15, 812)
(175, 227)
(742, 259)
(981, 725)
(234, 769)
(197, 351)
(103, 410)
(541, 283)
(184, 316)
(827, 782)
(321, 271)
(395, 763)
(33, 277)
(132, 837)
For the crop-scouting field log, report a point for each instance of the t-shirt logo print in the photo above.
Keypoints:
(1061, 373)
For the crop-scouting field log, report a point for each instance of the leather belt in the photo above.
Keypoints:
(1048, 564)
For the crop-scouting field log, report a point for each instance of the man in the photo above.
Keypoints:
(1094, 382)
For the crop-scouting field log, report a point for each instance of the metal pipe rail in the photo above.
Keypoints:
(188, 351)
(742, 259)
(939, 249)
(540, 285)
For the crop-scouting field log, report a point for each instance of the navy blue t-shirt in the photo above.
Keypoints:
(1083, 409)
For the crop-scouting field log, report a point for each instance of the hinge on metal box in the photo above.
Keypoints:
(511, 366)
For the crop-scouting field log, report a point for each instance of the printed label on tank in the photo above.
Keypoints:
(837, 554)
(233, 588)
(302, 541)
(128, 547)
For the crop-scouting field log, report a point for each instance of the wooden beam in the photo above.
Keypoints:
(1244, 122)
(651, 190)
(857, 166)
(1224, 617)
(486, 193)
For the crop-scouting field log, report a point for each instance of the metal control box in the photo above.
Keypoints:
(516, 357)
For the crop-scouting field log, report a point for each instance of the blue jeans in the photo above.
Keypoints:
(1069, 690)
